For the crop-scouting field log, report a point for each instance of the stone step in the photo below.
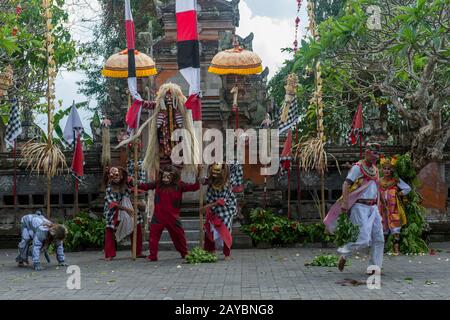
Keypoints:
(163, 245)
(168, 245)
(191, 235)
(190, 223)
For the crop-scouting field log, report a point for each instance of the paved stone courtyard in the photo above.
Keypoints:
(252, 274)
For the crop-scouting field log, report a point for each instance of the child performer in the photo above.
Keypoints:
(41, 233)
(391, 188)
(168, 196)
(220, 209)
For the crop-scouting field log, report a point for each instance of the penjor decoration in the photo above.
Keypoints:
(106, 144)
(311, 154)
(46, 157)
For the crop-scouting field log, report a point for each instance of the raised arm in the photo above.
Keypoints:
(147, 186)
(190, 187)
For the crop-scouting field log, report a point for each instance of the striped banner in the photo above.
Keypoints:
(189, 52)
(134, 113)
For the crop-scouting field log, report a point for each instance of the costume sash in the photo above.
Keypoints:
(330, 220)
(220, 227)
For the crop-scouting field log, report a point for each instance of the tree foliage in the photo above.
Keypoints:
(406, 62)
(403, 66)
(25, 52)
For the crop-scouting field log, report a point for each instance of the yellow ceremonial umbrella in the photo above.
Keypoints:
(117, 65)
(237, 61)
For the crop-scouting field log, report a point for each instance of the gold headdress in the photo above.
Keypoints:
(386, 161)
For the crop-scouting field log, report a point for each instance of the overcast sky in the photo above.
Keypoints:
(271, 21)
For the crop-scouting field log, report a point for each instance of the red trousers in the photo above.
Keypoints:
(176, 233)
(210, 246)
(110, 242)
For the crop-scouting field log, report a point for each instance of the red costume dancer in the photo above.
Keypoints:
(168, 196)
(116, 190)
(220, 209)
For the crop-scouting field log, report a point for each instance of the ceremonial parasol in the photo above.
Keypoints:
(236, 61)
(117, 65)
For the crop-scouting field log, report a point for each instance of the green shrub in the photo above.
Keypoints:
(316, 233)
(269, 228)
(85, 231)
(346, 231)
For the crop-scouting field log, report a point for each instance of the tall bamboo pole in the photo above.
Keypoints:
(199, 130)
(51, 69)
(319, 103)
(135, 204)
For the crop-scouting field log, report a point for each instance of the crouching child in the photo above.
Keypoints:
(39, 232)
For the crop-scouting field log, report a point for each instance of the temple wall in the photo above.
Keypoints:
(31, 190)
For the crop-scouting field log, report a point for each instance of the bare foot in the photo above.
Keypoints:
(341, 263)
(227, 258)
(108, 259)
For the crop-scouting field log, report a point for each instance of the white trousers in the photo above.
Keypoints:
(368, 219)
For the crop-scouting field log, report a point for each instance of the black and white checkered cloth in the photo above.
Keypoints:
(111, 196)
(226, 212)
(283, 170)
(356, 134)
(292, 119)
(236, 173)
(14, 127)
(142, 177)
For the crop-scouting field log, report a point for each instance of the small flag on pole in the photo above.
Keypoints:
(74, 126)
(357, 126)
(292, 117)
(72, 134)
(356, 132)
(134, 112)
(286, 154)
(14, 127)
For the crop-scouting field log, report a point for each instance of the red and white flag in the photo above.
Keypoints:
(189, 52)
(78, 160)
(134, 113)
(357, 126)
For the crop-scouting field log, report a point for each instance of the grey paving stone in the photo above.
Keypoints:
(252, 274)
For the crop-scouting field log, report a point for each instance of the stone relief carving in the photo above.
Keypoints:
(246, 42)
(225, 40)
(236, 15)
(260, 103)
